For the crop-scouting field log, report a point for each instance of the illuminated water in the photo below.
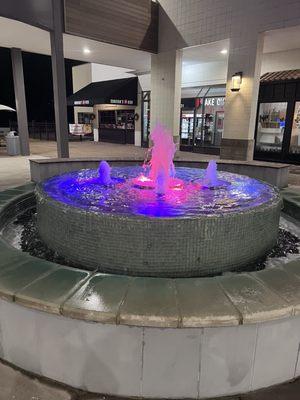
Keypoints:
(186, 195)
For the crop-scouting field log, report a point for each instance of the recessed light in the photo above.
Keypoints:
(224, 51)
(86, 50)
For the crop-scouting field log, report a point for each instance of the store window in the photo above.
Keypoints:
(85, 118)
(270, 126)
(209, 122)
(295, 137)
(187, 126)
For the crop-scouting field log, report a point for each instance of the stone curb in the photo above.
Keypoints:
(219, 301)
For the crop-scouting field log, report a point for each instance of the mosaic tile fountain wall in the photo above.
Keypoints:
(169, 247)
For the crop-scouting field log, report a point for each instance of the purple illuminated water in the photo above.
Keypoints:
(104, 173)
(185, 196)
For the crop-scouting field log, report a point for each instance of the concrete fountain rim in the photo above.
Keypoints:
(221, 297)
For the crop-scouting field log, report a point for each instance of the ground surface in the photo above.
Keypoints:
(14, 171)
(16, 384)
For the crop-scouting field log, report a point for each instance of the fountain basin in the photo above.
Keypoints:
(173, 238)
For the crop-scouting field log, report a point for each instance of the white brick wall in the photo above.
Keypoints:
(186, 23)
(166, 90)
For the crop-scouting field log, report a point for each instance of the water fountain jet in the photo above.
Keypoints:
(104, 171)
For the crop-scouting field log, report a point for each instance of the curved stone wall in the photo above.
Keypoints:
(152, 338)
(194, 363)
(168, 247)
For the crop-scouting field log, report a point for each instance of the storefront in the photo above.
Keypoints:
(277, 134)
(201, 124)
(114, 105)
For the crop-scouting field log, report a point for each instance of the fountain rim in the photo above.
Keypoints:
(39, 190)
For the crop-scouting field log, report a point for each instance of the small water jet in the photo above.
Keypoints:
(104, 172)
(211, 180)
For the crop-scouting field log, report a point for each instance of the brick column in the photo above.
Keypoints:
(166, 90)
(240, 107)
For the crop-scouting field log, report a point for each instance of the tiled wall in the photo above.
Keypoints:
(194, 22)
(186, 23)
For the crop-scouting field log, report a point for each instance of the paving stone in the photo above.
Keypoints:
(10, 262)
(202, 303)
(98, 299)
(15, 385)
(284, 284)
(253, 299)
(21, 275)
(50, 292)
(150, 302)
(293, 267)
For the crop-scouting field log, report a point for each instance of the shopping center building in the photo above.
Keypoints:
(164, 273)
(186, 56)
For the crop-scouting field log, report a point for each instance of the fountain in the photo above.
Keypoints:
(158, 220)
(122, 222)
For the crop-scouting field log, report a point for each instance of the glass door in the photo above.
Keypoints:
(187, 127)
(294, 148)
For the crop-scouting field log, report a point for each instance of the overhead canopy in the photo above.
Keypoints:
(117, 91)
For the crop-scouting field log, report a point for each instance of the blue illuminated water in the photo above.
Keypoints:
(83, 189)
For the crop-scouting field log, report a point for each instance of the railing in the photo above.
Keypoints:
(38, 130)
(46, 131)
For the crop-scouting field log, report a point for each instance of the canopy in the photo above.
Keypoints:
(5, 108)
(117, 91)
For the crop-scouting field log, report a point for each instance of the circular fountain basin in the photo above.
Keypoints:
(190, 231)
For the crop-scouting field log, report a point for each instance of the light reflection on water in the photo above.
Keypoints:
(83, 189)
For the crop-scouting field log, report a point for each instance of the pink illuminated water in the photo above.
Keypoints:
(161, 163)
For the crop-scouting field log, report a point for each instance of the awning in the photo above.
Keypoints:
(289, 75)
(117, 91)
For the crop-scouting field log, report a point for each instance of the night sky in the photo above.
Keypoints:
(38, 86)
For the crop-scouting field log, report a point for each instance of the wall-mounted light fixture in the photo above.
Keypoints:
(236, 81)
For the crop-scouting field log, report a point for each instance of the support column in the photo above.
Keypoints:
(18, 75)
(59, 80)
(241, 106)
(166, 91)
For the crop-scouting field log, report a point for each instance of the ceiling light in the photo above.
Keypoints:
(224, 51)
(86, 50)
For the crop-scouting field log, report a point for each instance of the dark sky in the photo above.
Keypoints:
(38, 86)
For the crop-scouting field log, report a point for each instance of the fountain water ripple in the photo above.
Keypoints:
(185, 197)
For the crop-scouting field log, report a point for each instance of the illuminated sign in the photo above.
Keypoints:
(121, 101)
(215, 101)
(81, 102)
